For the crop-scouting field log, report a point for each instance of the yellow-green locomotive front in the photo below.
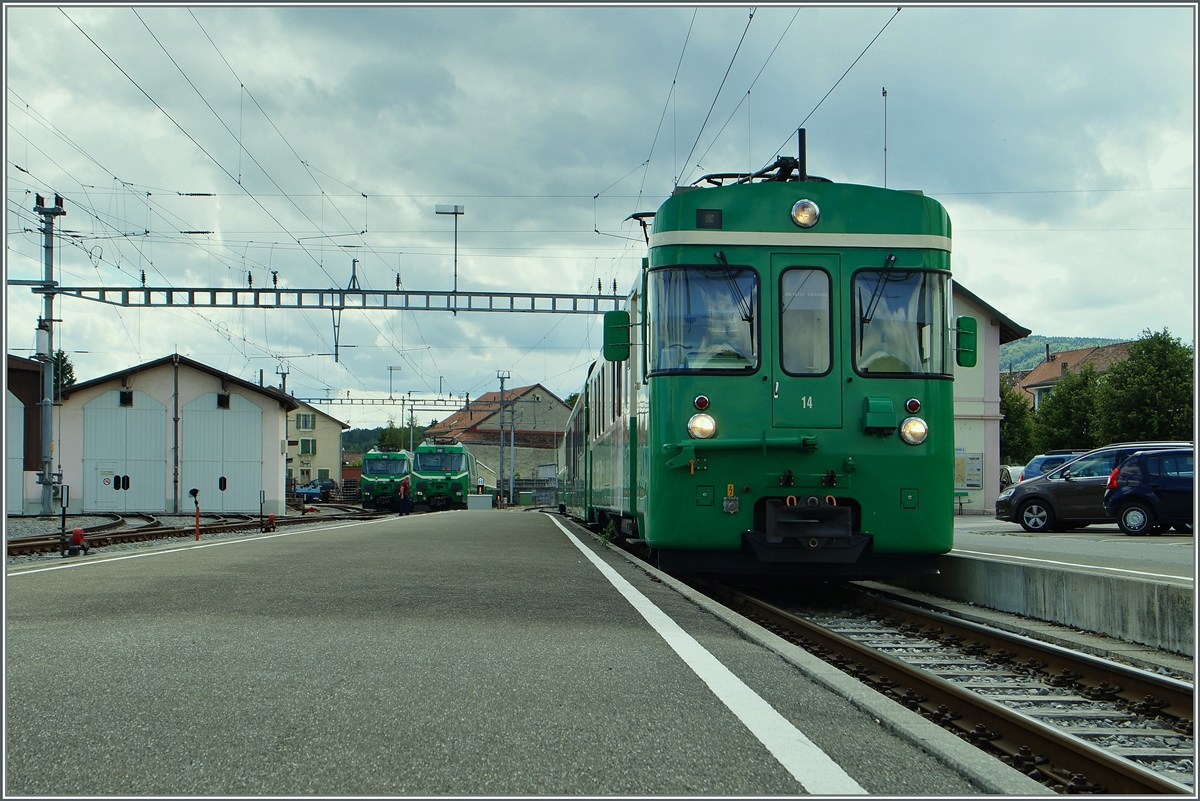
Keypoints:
(795, 410)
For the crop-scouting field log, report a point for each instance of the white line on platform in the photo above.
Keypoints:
(1122, 570)
(811, 766)
(106, 559)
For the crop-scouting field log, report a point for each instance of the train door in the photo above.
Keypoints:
(806, 329)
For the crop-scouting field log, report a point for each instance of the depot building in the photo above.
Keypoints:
(140, 439)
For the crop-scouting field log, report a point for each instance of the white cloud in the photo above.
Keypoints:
(524, 114)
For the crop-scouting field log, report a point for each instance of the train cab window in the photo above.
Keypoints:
(804, 326)
(903, 320)
(385, 467)
(430, 462)
(703, 319)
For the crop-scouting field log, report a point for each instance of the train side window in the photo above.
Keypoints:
(804, 321)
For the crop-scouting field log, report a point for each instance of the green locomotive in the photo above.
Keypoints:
(386, 481)
(776, 397)
(444, 474)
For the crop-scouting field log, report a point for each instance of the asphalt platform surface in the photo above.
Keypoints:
(461, 653)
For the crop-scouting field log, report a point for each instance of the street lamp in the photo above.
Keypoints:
(457, 211)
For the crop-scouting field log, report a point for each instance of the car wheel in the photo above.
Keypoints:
(1136, 519)
(1036, 516)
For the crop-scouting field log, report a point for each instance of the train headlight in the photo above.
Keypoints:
(805, 213)
(702, 426)
(914, 430)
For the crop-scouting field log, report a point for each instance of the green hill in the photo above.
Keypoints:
(1027, 353)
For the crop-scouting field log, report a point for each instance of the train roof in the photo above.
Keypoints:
(732, 210)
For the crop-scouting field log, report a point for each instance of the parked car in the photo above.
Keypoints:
(1009, 474)
(1070, 496)
(1045, 462)
(1153, 490)
(318, 490)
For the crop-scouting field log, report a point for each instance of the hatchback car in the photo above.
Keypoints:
(1153, 490)
(1045, 462)
(1072, 495)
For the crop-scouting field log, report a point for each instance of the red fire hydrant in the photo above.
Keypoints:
(270, 526)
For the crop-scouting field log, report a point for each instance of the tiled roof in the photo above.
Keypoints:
(1100, 358)
(475, 412)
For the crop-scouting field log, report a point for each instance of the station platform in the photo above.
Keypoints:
(1137, 590)
(461, 653)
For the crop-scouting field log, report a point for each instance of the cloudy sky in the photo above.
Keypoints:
(1061, 141)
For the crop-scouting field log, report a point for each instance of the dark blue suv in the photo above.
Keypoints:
(1045, 462)
(1153, 490)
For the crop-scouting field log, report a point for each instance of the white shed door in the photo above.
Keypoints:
(124, 454)
(221, 453)
(14, 454)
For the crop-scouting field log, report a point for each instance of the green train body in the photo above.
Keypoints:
(444, 474)
(814, 354)
(386, 481)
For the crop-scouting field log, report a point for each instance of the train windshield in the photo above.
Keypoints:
(431, 462)
(703, 319)
(903, 321)
(384, 467)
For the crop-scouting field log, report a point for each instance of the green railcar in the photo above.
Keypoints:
(784, 404)
(445, 472)
(386, 481)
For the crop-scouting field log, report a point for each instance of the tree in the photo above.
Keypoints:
(64, 372)
(390, 437)
(1150, 395)
(1065, 417)
(1016, 429)
(571, 400)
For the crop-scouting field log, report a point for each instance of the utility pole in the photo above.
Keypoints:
(45, 352)
(885, 137)
(502, 375)
(512, 440)
(412, 446)
(457, 211)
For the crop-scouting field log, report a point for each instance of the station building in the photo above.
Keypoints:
(22, 433)
(539, 417)
(977, 407)
(141, 438)
(314, 446)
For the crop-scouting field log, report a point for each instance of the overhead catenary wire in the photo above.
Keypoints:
(751, 87)
(835, 84)
(737, 50)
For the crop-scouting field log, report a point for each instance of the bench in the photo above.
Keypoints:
(960, 497)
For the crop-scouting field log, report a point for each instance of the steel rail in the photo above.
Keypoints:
(1026, 744)
(1099, 679)
(52, 543)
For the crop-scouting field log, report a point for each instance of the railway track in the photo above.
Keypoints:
(122, 530)
(1074, 722)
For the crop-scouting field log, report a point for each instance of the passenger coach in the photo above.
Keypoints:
(777, 394)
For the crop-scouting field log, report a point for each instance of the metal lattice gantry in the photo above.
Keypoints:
(418, 404)
(335, 299)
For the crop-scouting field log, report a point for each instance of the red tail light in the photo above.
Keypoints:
(1022, 478)
(1112, 478)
